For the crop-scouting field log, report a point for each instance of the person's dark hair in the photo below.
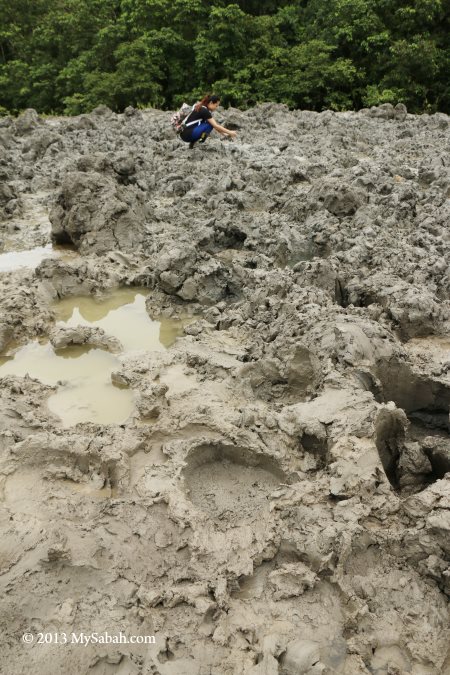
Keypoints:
(209, 98)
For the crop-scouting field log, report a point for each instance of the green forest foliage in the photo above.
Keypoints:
(68, 56)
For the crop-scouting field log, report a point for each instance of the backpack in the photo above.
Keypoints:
(179, 119)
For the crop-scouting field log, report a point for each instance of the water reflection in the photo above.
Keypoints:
(83, 372)
(30, 259)
(86, 393)
(123, 315)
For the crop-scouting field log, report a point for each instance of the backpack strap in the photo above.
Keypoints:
(190, 124)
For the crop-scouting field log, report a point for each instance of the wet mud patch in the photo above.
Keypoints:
(312, 614)
(178, 380)
(160, 547)
(32, 493)
(370, 573)
(57, 478)
(29, 229)
(229, 482)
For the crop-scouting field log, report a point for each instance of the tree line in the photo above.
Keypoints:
(68, 56)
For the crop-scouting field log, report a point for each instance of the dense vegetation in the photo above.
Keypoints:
(71, 55)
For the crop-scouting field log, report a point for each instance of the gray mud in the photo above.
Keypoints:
(277, 501)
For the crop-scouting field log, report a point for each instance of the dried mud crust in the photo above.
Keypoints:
(278, 500)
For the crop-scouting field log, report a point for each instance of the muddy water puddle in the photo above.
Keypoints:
(31, 258)
(121, 314)
(82, 373)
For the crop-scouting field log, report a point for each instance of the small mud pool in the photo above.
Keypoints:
(31, 258)
(122, 315)
(83, 373)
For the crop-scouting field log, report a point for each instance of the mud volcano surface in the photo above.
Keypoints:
(273, 497)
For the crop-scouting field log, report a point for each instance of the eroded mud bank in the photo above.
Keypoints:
(277, 501)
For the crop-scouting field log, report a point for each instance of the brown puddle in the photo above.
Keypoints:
(83, 373)
(85, 393)
(121, 314)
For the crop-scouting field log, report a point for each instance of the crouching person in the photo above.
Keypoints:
(200, 122)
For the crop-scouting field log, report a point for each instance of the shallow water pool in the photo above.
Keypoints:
(82, 373)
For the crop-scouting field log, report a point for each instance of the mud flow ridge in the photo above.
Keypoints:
(224, 384)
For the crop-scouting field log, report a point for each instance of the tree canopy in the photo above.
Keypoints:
(68, 56)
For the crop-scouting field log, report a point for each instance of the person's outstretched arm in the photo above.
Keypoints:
(221, 129)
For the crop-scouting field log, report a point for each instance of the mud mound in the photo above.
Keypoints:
(275, 497)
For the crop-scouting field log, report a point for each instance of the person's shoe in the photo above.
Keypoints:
(191, 145)
(203, 137)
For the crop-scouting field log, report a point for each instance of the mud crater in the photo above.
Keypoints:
(230, 482)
